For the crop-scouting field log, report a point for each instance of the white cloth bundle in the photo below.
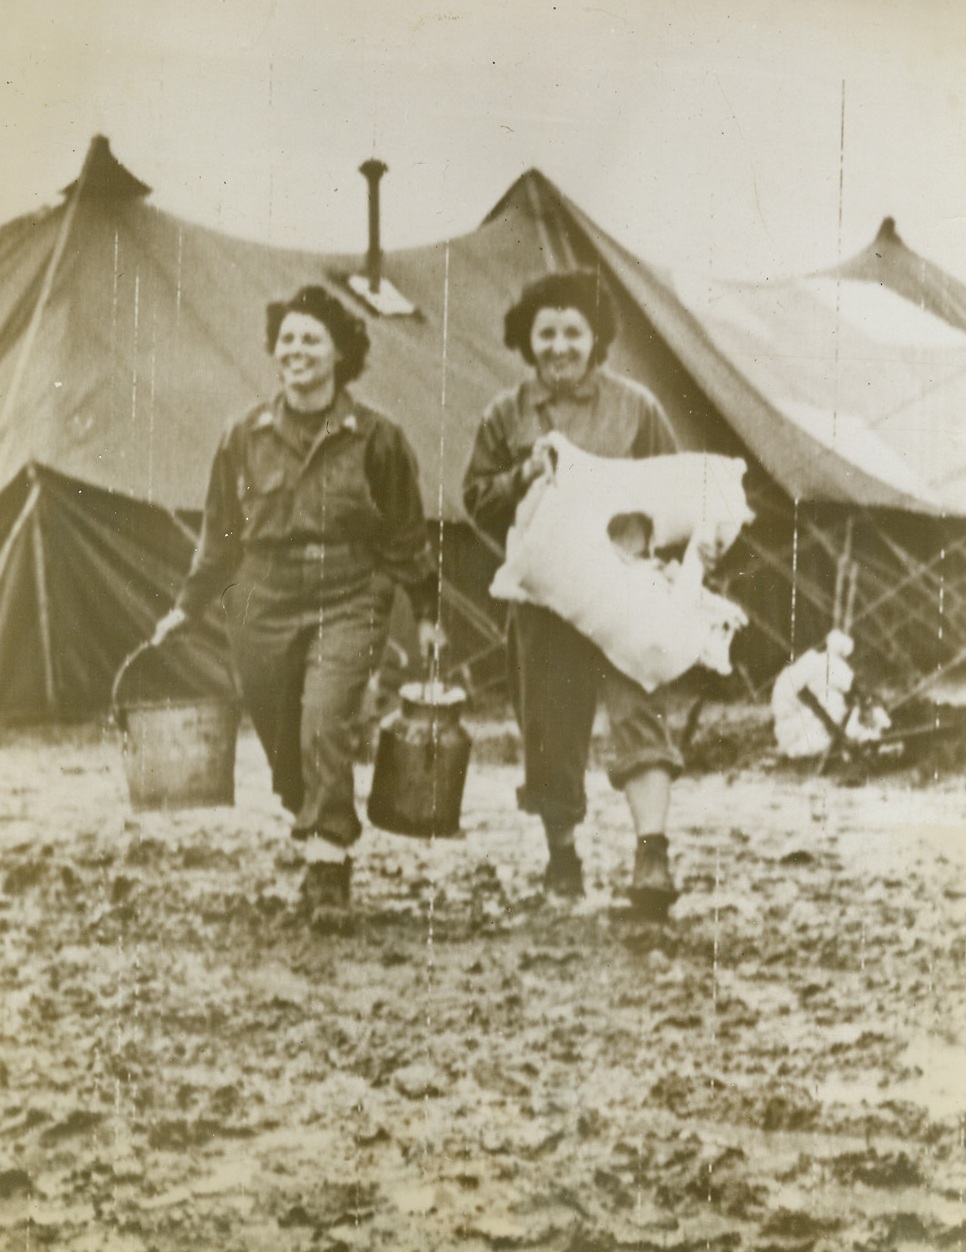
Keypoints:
(799, 731)
(827, 674)
(652, 621)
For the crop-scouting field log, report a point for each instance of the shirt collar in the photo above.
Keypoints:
(340, 415)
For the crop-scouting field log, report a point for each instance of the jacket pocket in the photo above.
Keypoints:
(262, 500)
(265, 482)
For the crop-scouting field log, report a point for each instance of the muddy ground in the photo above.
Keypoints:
(185, 1063)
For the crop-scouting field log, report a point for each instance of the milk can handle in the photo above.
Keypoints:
(432, 669)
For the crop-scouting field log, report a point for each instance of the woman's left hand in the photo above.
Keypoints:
(432, 638)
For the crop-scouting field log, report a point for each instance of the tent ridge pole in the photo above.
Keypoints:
(43, 601)
(542, 231)
(30, 504)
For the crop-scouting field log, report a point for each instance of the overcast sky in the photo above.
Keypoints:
(702, 133)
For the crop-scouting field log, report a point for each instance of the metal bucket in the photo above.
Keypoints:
(178, 754)
(421, 762)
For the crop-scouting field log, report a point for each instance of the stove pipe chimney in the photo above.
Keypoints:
(372, 171)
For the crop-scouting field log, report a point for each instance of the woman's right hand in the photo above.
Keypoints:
(539, 464)
(172, 621)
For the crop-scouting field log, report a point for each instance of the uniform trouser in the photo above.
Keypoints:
(556, 677)
(303, 672)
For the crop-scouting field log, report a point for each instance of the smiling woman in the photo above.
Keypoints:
(563, 325)
(313, 516)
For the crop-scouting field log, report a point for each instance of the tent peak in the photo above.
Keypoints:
(889, 262)
(103, 177)
(532, 175)
(530, 183)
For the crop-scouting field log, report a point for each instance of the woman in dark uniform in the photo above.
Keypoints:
(313, 516)
(562, 326)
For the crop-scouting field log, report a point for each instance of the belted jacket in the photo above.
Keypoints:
(349, 495)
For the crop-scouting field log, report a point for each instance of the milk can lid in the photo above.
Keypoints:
(435, 694)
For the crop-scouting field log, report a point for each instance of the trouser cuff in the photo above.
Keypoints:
(621, 774)
(341, 839)
(553, 812)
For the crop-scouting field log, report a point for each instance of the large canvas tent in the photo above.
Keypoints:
(867, 360)
(128, 337)
(845, 391)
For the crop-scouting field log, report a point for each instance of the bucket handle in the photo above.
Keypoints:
(117, 710)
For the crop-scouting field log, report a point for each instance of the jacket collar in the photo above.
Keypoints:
(340, 415)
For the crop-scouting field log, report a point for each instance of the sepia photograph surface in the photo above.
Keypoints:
(482, 626)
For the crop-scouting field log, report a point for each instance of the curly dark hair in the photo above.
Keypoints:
(348, 332)
(575, 289)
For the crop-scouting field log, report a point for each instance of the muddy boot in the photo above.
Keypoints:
(326, 885)
(652, 890)
(564, 875)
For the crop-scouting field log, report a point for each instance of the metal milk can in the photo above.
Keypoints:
(421, 760)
